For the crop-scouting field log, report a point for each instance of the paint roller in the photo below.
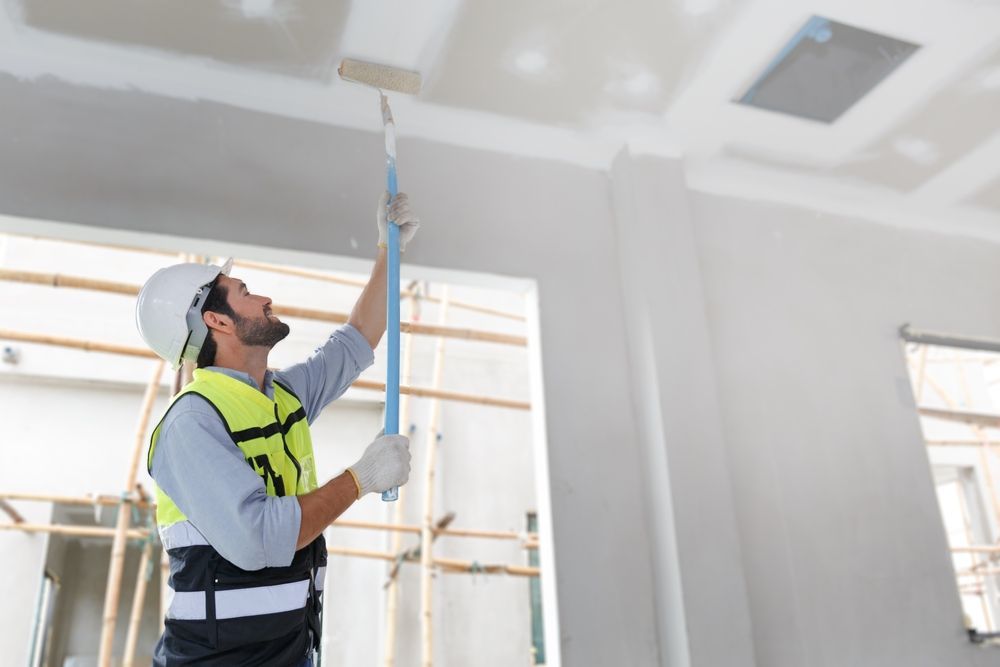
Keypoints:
(382, 78)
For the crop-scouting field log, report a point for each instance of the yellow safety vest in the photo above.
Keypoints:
(273, 436)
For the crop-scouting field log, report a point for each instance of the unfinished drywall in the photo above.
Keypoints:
(25, 561)
(292, 38)
(80, 605)
(564, 66)
(253, 178)
(699, 577)
(85, 450)
(843, 549)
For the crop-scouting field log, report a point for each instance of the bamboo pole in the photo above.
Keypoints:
(406, 327)
(72, 500)
(8, 509)
(73, 282)
(958, 443)
(449, 565)
(111, 348)
(138, 601)
(338, 280)
(113, 593)
(427, 533)
(77, 343)
(286, 270)
(95, 244)
(467, 334)
(987, 419)
(447, 395)
(977, 549)
(340, 523)
(392, 590)
(988, 560)
(361, 553)
(299, 273)
(986, 571)
(77, 282)
(439, 532)
(73, 531)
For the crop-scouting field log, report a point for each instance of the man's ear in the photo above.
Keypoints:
(217, 321)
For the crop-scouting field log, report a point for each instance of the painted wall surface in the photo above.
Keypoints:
(80, 606)
(702, 611)
(254, 178)
(843, 549)
(67, 440)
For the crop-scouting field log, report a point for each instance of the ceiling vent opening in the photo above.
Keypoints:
(825, 69)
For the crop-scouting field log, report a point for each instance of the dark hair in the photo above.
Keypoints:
(217, 301)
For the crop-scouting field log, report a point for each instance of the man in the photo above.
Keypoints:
(240, 512)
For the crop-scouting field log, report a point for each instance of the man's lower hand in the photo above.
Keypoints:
(384, 465)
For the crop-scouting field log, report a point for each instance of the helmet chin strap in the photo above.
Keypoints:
(197, 329)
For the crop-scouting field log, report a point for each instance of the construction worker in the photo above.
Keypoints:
(239, 510)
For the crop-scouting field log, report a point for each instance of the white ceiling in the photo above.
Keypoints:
(572, 80)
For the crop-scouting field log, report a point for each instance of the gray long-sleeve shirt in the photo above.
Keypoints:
(199, 466)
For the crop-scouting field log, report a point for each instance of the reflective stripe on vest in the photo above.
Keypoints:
(240, 602)
(273, 436)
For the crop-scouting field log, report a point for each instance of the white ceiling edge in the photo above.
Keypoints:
(169, 243)
(30, 54)
(966, 176)
(751, 182)
(953, 34)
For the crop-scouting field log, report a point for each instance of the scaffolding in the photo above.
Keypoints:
(135, 500)
(946, 399)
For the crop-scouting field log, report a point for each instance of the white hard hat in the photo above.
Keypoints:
(168, 310)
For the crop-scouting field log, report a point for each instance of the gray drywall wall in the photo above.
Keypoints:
(96, 158)
(23, 560)
(842, 544)
(80, 606)
(702, 611)
(83, 451)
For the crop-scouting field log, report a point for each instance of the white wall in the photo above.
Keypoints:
(67, 440)
(701, 602)
(842, 546)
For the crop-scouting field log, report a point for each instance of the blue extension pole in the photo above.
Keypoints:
(392, 294)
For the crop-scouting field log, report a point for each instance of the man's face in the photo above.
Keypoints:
(254, 323)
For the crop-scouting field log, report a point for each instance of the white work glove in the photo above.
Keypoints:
(385, 464)
(401, 215)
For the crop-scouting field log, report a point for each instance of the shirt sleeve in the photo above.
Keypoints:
(329, 371)
(198, 465)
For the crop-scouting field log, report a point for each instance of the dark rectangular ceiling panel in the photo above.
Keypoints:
(825, 69)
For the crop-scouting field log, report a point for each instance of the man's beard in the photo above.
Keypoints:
(262, 332)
